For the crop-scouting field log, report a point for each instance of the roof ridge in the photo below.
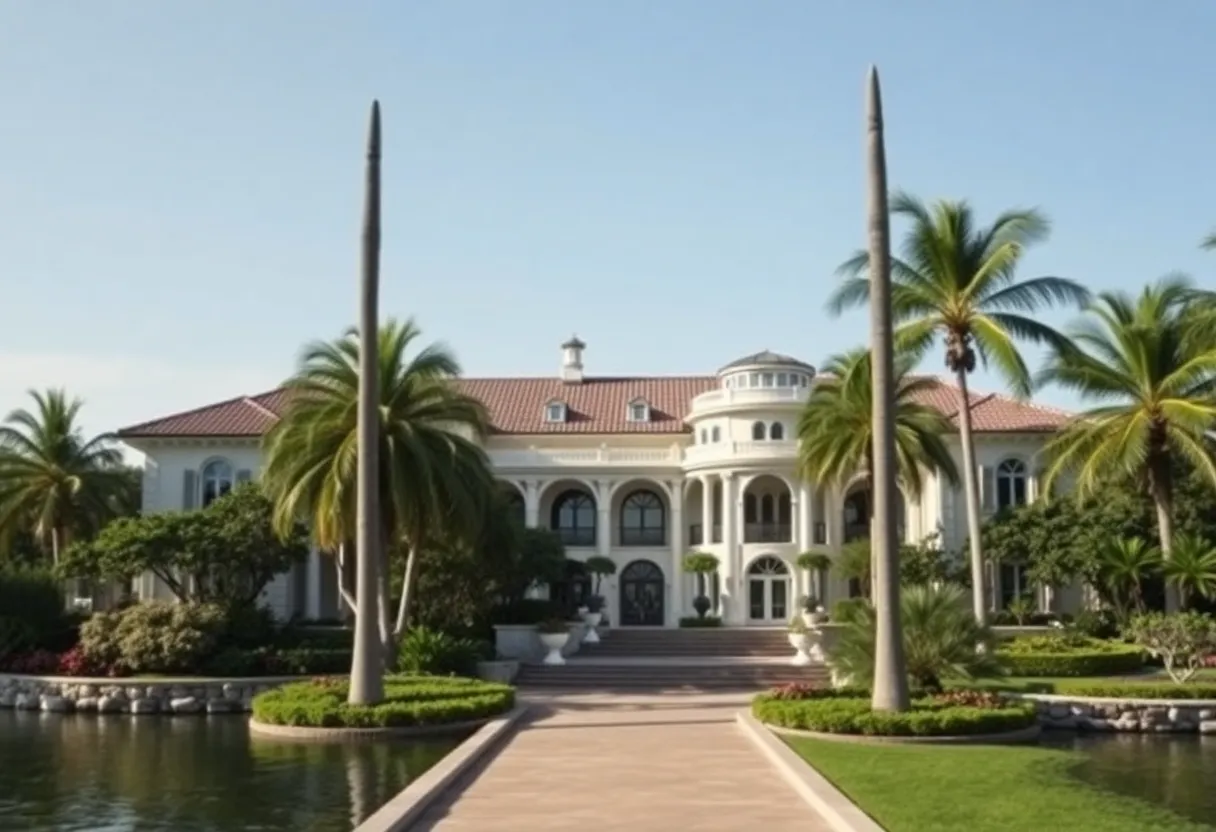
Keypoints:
(265, 410)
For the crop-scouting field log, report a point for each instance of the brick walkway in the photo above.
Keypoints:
(625, 762)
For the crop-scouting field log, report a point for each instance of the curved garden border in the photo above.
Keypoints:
(135, 696)
(1100, 713)
(1021, 735)
(308, 733)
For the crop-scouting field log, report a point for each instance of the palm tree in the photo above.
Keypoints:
(1209, 242)
(1141, 359)
(434, 481)
(958, 281)
(54, 483)
(1191, 569)
(890, 679)
(1124, 564)
(836, 431)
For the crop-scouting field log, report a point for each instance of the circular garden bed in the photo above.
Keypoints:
(412, 705)
(957, 715)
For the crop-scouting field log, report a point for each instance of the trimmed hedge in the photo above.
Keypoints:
(831, 713)
(693, 622)
(409, 701)
(1136, 690)
(1052, 656)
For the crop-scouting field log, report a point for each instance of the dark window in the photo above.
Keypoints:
(776, 431)
(217, 481)
(749, 508)
(1010, 484)
(643, 520)
(758, 431)
(574, 518)
(766, 508)
(717, 434)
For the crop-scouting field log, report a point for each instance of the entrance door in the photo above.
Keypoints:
(642, 593)
(768, 591)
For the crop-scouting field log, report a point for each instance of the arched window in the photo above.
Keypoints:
(643, 520)
(766, 508)
(515, 505)
(716, 434)
(573, 518)
(768, 565)
(758, 431)
(776, 431)
(1010, 484)
(217, 480)
(749, 508)
(702, 436)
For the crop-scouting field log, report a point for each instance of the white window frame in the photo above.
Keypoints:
(555, 412)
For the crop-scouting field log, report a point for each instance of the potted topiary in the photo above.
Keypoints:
(554, 633)
(813, 613)
(800, 640)
(599, 566)
(701, 564)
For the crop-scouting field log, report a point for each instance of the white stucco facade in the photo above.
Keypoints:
(728, 484)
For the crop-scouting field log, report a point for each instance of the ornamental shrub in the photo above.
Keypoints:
(1060, 656)
(700, 622)
(1135, 690)
(409, 701)
(31, 612)
(430, 652)
(1181, 640)
(153, 637)
(851, 714)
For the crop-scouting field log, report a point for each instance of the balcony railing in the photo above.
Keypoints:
(696, 534)
(643, 537)
(767, 533)
(669, 457)
(576, 537)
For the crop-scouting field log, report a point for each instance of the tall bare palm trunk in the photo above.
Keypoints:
(407, 588)
(366, 672)
(1161, 487)
(890, 674)
(971, 491)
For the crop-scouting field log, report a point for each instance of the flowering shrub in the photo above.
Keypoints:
(971, 699)
(794, 691)
(152, 637)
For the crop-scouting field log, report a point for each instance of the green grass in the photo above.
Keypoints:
(979, 788)
(1047, 684)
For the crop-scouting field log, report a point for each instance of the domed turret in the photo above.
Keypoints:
(766, 369)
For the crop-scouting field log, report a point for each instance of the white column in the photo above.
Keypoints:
(707, 509)
(804, 538)
(312, 607)
(531, 504)
(727, 568)
(677, 552)
(603, 520)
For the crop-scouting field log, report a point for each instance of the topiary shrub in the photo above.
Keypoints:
(153, 637)
(32, 612)
(1068, 655)
(834, 712)
(426, 651)
(1135, 690)
(409, 701)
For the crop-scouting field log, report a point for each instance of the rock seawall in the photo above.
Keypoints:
(64, 694)
(1149, 716)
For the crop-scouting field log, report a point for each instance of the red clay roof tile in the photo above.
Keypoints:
(596, 406)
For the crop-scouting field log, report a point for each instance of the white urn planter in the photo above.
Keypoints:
(592, 620)
(554, 642)
(814, 618)
(801, 642)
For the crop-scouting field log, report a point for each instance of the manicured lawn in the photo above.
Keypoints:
(1045, 684)
(981, 788)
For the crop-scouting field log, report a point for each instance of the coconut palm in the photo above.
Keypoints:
(54, 483)
(1191, 569)
(434, 481)
(957, 280)
(1124, 564)
(1141, 360)
(836, 431)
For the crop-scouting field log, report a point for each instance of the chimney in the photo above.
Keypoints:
(572, 361)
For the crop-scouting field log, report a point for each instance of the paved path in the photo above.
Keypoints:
(625, 762)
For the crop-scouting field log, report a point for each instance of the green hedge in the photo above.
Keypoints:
(1136, 690)
(832, 714)
(1108, 659)
(693, 622)
(409, 701)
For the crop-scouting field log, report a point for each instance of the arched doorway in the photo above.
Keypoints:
(768, 591)
(643, 590)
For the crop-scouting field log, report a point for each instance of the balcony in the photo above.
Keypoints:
(580, 536)
(778, 450)
(768, 533)
(696, 535)
(588, 457)
(643, 537)
(728, 397)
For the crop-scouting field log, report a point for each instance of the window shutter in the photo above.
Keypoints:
(244, 475)
(189, 490)
(987, 488)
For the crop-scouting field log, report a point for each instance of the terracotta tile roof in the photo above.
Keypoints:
(597, 405)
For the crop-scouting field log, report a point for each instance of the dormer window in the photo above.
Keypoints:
(555, 412)
(639, 411)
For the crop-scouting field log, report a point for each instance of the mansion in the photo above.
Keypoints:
(642, 470)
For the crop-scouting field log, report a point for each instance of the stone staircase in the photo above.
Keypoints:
(689, 660)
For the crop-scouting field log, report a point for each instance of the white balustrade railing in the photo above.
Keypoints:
(573, 457)
(749, 396)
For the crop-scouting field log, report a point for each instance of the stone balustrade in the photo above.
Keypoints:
(66, 694)
(1159, 716)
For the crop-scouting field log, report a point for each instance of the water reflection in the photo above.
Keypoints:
(204, 774)
(1176, 771)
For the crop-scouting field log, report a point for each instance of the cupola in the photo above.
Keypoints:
(572, 360)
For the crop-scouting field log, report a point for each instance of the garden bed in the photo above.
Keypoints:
(410, 702)
(848, 713)
(1059, 656)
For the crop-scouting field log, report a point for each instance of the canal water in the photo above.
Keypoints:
(72, 773)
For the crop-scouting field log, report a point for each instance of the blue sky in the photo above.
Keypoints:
(674, 181)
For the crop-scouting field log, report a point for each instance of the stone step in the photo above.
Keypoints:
(739, 677)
